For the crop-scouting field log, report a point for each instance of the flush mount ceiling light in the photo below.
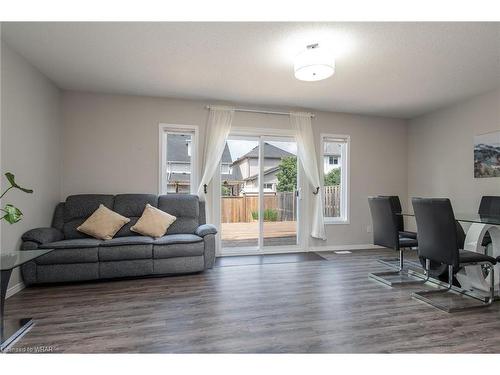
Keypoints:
(314, 64)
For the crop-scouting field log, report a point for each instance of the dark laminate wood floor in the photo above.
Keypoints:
(305, 307)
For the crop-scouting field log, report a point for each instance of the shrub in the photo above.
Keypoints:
(270, 215)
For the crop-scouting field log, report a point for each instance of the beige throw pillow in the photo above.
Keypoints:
(153, 222)
(103, 223)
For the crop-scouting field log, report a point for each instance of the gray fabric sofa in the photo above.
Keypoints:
(187, 247)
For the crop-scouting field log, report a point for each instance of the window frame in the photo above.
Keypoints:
(344, 164)
(164, 130)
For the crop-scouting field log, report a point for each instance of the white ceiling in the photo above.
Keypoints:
(391, 69)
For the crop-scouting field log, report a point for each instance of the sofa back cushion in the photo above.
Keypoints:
(132, 206)
(58, 217)
(78, 208)
(185, 207)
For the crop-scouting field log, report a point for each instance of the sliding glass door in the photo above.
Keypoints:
(240, 193)
(280, 193)
(259, 195)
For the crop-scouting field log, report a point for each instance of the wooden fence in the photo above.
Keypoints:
(239, 209)
(331, 200)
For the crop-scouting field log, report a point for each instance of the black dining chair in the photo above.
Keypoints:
(386, 234)
(438, 242)
(489, 206)
(396, 206)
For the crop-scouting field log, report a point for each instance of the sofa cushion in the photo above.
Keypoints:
(132, 206)
(72, 244)
(171, 239)
(58, 218)
(125, 252)
(175, 249)
(103, 223)
(132, 240)
(185, 207)
(69, 256)
(78, 208)
(153, 222)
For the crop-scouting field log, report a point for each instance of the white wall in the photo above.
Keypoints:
(440, 148)
(110, 145)
(30, 145)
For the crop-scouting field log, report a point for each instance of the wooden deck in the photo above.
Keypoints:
(248, 231)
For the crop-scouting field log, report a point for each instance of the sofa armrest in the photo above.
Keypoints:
(205, 229)
(43, 235)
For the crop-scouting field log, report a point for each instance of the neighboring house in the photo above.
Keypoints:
(248, 167)
(331, 159)
(179, 166)
(240, 176)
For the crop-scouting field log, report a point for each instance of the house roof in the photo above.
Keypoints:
(270, 152)
(177, 152)
(177, 149)
(266, 172)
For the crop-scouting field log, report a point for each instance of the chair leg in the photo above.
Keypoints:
(399, 277)
(397, 263)
(425, 294)
(492, 284)
(401, 259)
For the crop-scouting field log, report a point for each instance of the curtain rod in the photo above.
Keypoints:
(261, 111)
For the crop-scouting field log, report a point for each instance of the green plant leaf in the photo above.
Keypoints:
(12, 180)
(12, 214)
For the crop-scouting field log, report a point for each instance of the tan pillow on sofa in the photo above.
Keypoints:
(103, 223)
(153, 222)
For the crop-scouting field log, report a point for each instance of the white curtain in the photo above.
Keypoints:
(218, 127)
(306, 153)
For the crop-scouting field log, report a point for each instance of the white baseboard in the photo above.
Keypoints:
(298, 250)
(14, 289)
(266, 252)
(346, 247)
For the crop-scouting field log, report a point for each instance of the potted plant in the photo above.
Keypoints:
(12, 214)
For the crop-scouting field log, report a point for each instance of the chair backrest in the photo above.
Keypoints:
(489, 206)
(396, 206)
(384, 221)
(437, 230)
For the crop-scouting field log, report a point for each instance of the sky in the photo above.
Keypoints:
(492, 139)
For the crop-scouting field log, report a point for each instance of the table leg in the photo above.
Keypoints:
(10, 330)
(5, 277)
(472, 276)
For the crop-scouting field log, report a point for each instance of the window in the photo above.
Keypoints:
(178, 159)
(225, 168)
(335, 177)
(268, 187)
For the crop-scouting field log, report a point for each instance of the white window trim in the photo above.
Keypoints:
(345, 176)
(163, 129)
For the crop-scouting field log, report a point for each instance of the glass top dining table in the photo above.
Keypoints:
(470, 218)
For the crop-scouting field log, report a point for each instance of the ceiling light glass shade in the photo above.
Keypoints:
(313, 64)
